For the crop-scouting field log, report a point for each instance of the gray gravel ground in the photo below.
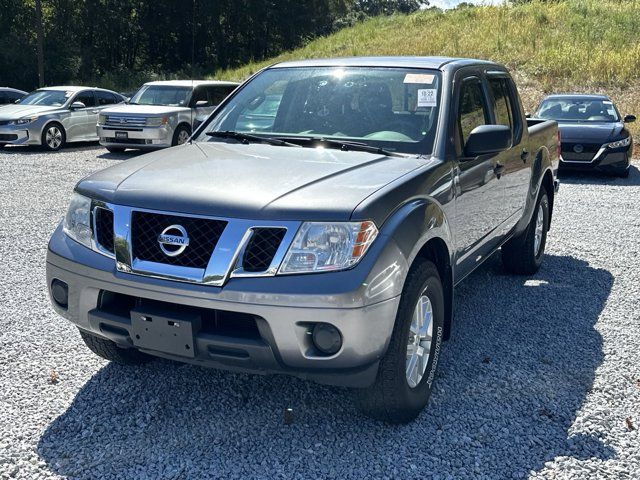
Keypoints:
(537, 382)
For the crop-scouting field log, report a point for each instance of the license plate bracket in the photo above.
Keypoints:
(124, 135)
(165, 331)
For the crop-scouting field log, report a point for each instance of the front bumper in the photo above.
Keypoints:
(19, 135)
(605, 160)
(283, 309)
(137, 137)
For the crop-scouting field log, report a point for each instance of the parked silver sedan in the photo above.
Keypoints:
(54, 116)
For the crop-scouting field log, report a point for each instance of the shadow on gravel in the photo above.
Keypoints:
(35, 150)
(123, 155)
(597, 178)
(521, 361)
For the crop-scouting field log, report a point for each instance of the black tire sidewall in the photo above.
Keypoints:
(543, 202)
(416, 398)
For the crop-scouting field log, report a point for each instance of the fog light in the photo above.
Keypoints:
(327, 338)
(60, 293)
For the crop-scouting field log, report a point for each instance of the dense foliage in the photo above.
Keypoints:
(120, 43)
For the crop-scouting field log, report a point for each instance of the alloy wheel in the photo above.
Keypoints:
(419, 341)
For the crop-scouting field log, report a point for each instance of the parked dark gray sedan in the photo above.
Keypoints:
(593, 133)
(54, 116)
(10, 95)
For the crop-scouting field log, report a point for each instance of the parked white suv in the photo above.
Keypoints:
(160, 114)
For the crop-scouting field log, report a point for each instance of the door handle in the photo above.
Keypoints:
(498, 169)
(95, 111)
(524, 156)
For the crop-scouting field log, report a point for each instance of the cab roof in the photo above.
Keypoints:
(73, 88)
(392, 62)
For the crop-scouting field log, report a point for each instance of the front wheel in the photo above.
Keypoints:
(406, 373)
(181, 135)
(53, 137)
(523, 254)
(110, 351)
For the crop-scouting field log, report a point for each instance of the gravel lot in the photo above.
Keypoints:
(540, 380)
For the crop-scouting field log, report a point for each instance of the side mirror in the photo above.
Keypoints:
(629, 118)
(202, 103)
(77, 106)
(487, 139)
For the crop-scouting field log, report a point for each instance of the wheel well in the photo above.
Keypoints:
(437, 252)
(47, 125)
(547, 183)
(184, 124)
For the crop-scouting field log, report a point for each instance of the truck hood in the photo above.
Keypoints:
(144, 110)
(253, 181)
(13, 112)
(589, 133)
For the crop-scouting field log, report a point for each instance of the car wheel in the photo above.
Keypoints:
(115, 149)
(110, 351)
(523, 254)
(406, 373)
(181, 135)
(53, 137)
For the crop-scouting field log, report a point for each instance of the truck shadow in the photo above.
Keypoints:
(513, 377)
(596, 178)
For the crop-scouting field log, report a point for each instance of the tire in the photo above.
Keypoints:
(181, 135)
(623, 173)
(110, 351)
(115, 149)
(391, 398)
(53, 137)
(523, 255)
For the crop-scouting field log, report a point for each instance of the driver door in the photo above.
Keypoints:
(82, 122)
(479, 209)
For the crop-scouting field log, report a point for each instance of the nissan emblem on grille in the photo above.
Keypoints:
(578, 148)
(173, 240)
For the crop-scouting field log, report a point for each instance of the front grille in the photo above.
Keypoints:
(261, 249)
(203, 236)
(104, 228)
(8, 137)
(125, 121)
(587, 154)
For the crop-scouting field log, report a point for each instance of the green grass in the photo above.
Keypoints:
(571, 45)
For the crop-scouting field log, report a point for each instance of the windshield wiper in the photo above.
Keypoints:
(247, 138)
(346, 146)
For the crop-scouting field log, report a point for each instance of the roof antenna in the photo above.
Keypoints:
(193, 56)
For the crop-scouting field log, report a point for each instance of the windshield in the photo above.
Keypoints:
(49, 98)
(391, 108)
(578, 110)
(161, 95)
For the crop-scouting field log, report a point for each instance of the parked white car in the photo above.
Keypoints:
(160, 114)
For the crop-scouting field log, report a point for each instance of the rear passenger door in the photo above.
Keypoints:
(479, 193)
(517, 172)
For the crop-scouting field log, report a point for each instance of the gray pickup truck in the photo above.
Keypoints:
(315, 225)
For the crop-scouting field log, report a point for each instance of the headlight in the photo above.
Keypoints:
(102, 119)
(77, 221)
(319, 247)
(23, 121)
(156, 121)
(620, 143)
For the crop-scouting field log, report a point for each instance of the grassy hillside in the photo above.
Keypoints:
(571, 45)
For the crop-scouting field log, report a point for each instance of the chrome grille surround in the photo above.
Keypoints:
(226, 260)
(125, 121)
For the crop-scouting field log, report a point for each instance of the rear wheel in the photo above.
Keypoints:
(523, 254)
(181, 135)
(53, 137)
(406, 373)
(110, 351)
